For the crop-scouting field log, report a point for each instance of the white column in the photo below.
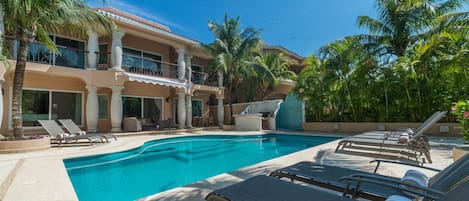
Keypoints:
(181, 64)
(189, 68)
(93, 47)
(117, 50)
(116, 108)
(1, 101)
(92, 108)
(188, 110)
(181, 109)
(220, 111)
(220, 78)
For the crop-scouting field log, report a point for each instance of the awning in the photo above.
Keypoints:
(157, 80)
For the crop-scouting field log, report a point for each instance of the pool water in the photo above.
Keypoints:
(165, 164)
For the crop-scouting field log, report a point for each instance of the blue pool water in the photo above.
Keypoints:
(165, 164)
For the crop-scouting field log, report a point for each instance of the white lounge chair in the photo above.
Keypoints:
(74, 129)
(60, 136)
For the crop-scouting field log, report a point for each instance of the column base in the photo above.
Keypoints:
(116, 69)
(116, 129)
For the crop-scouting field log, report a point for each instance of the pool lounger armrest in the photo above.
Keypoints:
(379, 161)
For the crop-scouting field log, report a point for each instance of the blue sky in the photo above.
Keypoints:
(302, 26)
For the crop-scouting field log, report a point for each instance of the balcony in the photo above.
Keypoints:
(67, 56)
(147, 66)
(76, 58)
(199, 77)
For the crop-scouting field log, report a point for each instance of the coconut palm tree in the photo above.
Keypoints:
(32, 20)
(231, 49)
(402, 22)
(268, 68)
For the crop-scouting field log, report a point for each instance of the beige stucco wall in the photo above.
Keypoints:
(360, 127)
(137, 43)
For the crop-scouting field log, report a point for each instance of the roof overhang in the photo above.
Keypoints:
(148, 27)
(157, 80)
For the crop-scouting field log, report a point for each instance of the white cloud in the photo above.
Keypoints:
(126, 7)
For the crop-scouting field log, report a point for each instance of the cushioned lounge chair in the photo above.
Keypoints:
(60, 136)
(74, 129)
(263, 188)
(415, 147)
(364, 184)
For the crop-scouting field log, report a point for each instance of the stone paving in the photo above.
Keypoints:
(41, 176)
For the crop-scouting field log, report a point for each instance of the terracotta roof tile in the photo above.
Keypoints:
(133, 17)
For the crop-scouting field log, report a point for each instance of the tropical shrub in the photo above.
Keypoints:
(461, 110)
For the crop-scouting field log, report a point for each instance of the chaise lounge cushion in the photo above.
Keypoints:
(132, 124)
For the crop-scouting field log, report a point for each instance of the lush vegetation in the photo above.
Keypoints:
(413, 61)
(239, 58)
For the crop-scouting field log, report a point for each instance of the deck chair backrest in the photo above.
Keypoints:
(459, 192)
(427, 120)
(424, 127)
(51, 127)
(455, 172)
(70, 126)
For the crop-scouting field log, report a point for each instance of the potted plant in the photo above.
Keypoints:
(461, 111)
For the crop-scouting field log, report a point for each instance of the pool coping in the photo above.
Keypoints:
(43, 176)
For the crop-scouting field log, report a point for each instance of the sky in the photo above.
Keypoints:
(302, 26)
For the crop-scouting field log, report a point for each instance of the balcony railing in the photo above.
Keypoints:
(199, 77)
(147, 66)
(75, 58)
(67, 56)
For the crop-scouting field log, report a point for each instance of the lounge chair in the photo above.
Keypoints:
(416, 146)
(394, 134)
(363, 184)
(74, 129)
(263, 188)
(60, 136)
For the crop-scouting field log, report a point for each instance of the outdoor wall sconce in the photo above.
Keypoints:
(167, 99)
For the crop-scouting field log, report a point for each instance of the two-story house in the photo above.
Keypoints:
(141, 69)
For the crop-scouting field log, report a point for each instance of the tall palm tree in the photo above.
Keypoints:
(231, 49)
(31, 20)
(268, 68)
(401, 22)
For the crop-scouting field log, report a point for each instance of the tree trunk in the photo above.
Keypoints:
(18, 79)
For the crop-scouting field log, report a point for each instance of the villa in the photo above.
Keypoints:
(141, 70)
(144, 77)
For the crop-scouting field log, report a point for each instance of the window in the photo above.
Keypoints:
(72, 53)
(45, 105)
(132, 107)
(151, 110)
(102, 104)
(103, 54)
(35, 107)
(137, 60)
(198, 76)
(197, 108)
(66, 106)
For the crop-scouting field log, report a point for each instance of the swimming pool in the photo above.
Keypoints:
(164, 164)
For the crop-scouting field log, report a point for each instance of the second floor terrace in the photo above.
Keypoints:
(75, 53)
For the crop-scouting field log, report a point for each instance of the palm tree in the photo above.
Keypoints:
(31, 20)
(268, 68)
(231, 49)
(401, 22)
